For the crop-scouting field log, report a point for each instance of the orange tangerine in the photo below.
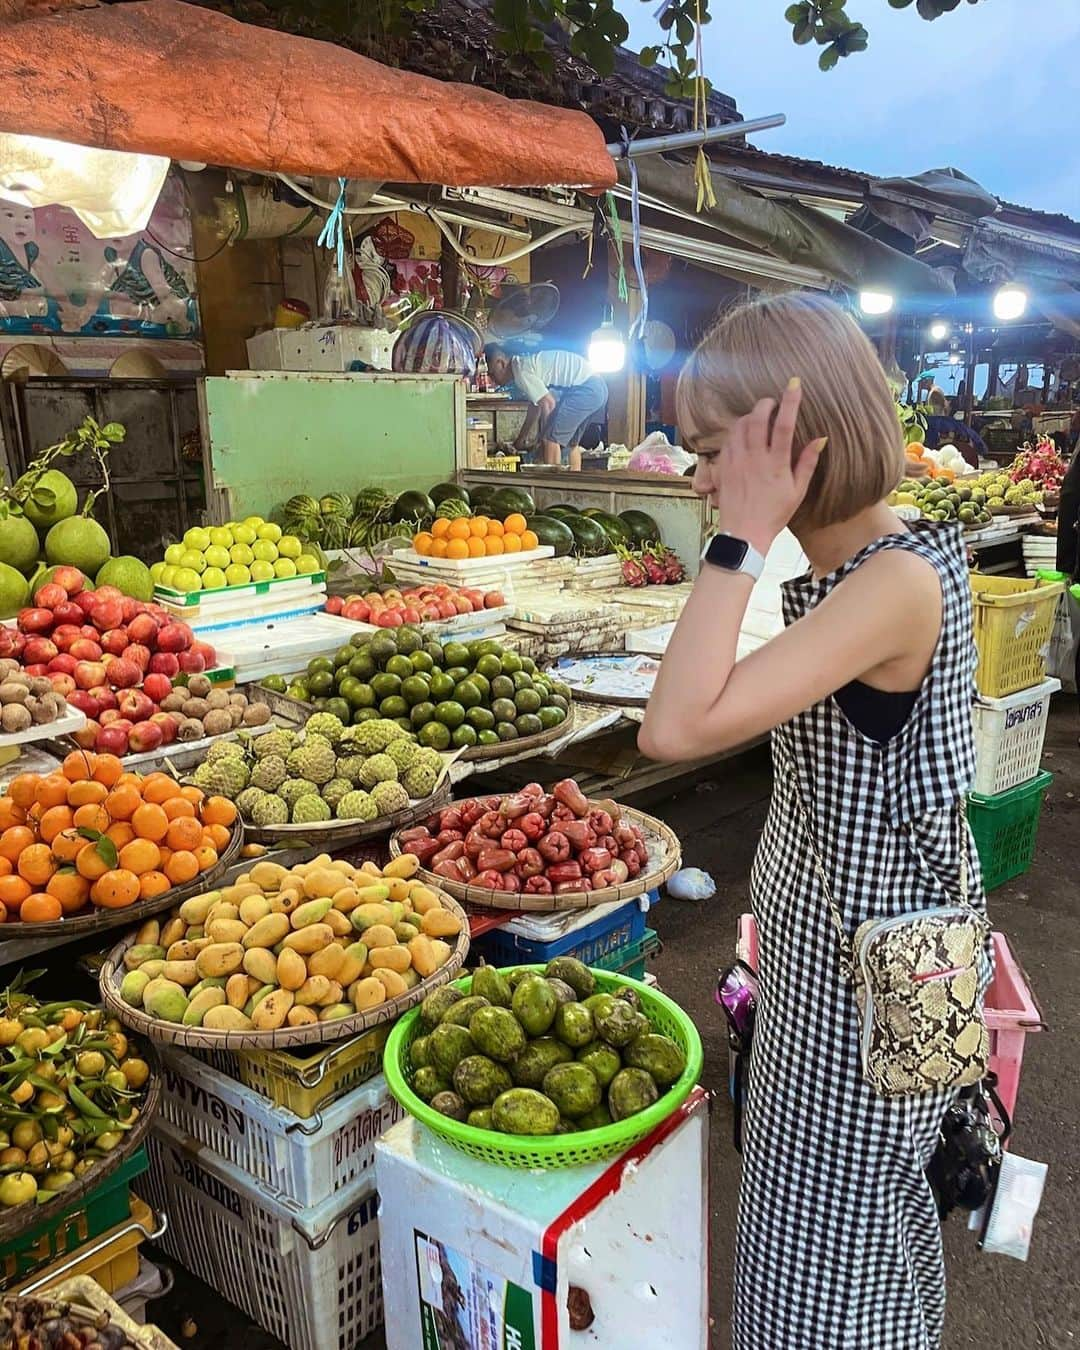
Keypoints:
(10, 814)
(184, 833)
(182, 866)
(217, 836)
(14, 839)
(23, 789)
(123, 801)
(176, 807)
(438, 547)
(205, 856)
(115, 889)
(529, 541)
(496, 527)
(70, 889)
(6, 868)
(79, 764)
(67, 845)
(478, 526)
(129, 779)
(166, 854)
(40, 908)
(91, 817)
(153, 883)
(476, 547)
(36, 864)
(150, 822)
(191, 793)
(87, 792)
(13, 891)
(457, 548)
(511, 542)
(120, 832)
(218, 811)
(422, 543)
(459, 529)
(89, 863)
(52, 821)
(159, 787)
(440, 528)
(141, 855)
(108, 769)
(53, 790)
(515, 524)
(493, 545)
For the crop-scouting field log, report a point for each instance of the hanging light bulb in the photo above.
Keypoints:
(939, 330)
(1010, 302)
(607, 350)
(876, 302)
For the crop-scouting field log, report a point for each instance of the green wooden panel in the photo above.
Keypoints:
(272, 435)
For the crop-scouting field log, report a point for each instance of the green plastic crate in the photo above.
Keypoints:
(1005, 827)
(103, 1208)
(630, 961)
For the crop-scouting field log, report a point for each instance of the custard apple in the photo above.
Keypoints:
(226, 777)
(325, 724)
(293, 789)
(223, 749)
(389, 798)
(351, 767)
(268, 773)
(403, 752)
(270, 810)
(335, 790)
(378, 769)
(245, 803)
(357, 805)
(369, 738)
(278, 742)
(430, 759)
(314, 760)
(309, 808)
(420, 780)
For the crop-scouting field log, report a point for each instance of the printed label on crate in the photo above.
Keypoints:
(465, 1307)
(366, 1212)
(71, 1232)
(1031, 713)
(365, 1129)
(209, 1103)
(209, 1185)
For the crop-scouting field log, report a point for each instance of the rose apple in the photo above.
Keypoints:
(463, 603)
(192, 663)
(131, 607)
(136, 705)
(145, 735)
(335, 604)
(111, 739)
(39, 651)
(388, 618)
(36, 668)
(164, 663)
(35, 620)
(115, 641)
(123, 673)
(83, 649)
(410, 614)
(494, 600)
(358, 611)
(143, 628)
(110, 593)
(49, 596)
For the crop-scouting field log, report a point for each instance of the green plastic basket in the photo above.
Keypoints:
(557, 1150)
(1005, 827)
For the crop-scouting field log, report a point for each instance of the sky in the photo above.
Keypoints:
(992, 89)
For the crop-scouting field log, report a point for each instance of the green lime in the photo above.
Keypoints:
(489, 666)
(408, 640)
(527, 701)
(403, 723)
(320, 682)
(450, 714)
(363, 696)
(421, 662)
(557, 701)
(422, 713)
(343, 656)
(457, 673)
(383, 647)
(277, 683)
(487, 738)
(442, 686)
(360, 641)
(529, 725)
(506, 731)
(364, 715)
(414, 690)
(385, 685)
(299, 691)
(393, 707)
(502, 686)
(455, 654)
(318, 663)
(528, 665)
(511, 663)
(483, 719)
(467, 694)
(483, 685)
(435, 736)
(318, 704)
(521, 680)
(464, 736)
(434, 650)
(563, 690)
(362, 666)
(400, 666)
(505, 710)
(551, 717)
(348, 686)
(340, 708)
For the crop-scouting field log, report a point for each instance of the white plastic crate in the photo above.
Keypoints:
(310, 1279)
(1009, 736)
(303, 1161)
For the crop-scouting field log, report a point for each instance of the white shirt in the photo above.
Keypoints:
(535, 375)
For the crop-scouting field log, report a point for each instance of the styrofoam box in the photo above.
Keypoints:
(505, 562)
(320, 347)
(1009, 736)
(311, 1279)
(303, 1161)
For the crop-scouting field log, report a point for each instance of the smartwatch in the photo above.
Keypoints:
(733, 555)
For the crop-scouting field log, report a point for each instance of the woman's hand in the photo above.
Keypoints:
(760, 484)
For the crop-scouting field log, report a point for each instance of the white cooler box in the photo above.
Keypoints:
(479, 1256)
(327, 347)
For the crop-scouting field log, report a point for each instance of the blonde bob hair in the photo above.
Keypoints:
(752, 353)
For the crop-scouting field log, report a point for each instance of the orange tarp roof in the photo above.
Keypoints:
(162, 77)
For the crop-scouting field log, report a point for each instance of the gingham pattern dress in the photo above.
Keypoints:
(838, 1244)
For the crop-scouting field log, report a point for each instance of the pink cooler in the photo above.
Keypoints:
(1011, 1010)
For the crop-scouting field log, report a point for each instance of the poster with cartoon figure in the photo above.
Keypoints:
(57, 279)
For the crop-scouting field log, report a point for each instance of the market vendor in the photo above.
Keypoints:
(565, 396)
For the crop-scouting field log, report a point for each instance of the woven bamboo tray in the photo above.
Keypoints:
(327, 834)
(14, 1222)
(665, 859)
(523, 745)
(585, 695)
(201, 1038)
(101, 920)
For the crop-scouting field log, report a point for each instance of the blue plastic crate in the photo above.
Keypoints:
(595, 941)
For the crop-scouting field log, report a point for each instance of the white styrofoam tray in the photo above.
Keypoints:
(62, 726)
(466, 566)
(223, 596)
(461, 623)
(285, 643)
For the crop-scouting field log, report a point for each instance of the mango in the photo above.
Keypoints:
(262, 965)
(187, 949)
(201, 1004)
(398, 889)
(328, 961)
(272, 1010)
(380, 935)
(152, 968)
(404, 865)
(149, 933)
(237, 991)
(367, 915)
(195, 910)
(291, 970)
(285, 902)
(167, 1002)
(238, 891)
(411, 978)
(268, 876)
(391, 958)
(392, 981)
(172, 931)
(132, 986)
(184, 973)
(269, 930)
(137, 955)
(221, 909)
(313, 990)
(353, 961)
(226, 930)
(440, 923)
(338, 923)
(346, 900)
(368, 994)
(302, 1017)
(226, 1018)
(310, 939)
(371, 869)
(311, 912)
(335, 1012)
(212, 982)
(321, 883)
(333, 995)
(252, 909)
(195, 932)
(262, 993)
(423, 899)
(220, 958)
(404, 932)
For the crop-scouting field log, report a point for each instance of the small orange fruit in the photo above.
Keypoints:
(52, 821)
(422, 543)
(53, 790)
(493, 545)
(478, 526)
(23, 789)
(515, 524)
(459, 529)
(159, 787)
(179, 806)
(440, 528)
(14, 839)
(120, 832)
(182, 866)
(153, 883)
(10, 814)
(70, 889)
(150, 822)
(91, 817)
(511, 542)
(129, 779)
(123, 801)
(191, 793)
(36, 864)
(457, 548)
(217, 836)
(184, 833)
(141, 855)
(438, 547)
(6, 868)
(41, 908)
(108, 769)
(67, 845)
(87, 792)
(166, 854)
(529, 541)
(218, 811)
(496, 527)
(89, 863)
(205, 856)
(13, 891)
(115, 889)
(79, 764)
(476, 547)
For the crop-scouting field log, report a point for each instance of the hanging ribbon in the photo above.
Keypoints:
(702, 177)
(332, 234)
(616, 235)
(638, 326)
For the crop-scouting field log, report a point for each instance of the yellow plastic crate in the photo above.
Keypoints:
(112, 1260)
(1013, 622)
(503, 463)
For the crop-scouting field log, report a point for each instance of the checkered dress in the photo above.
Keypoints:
(838, 1244)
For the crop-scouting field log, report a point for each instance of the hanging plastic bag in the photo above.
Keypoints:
(656, 454)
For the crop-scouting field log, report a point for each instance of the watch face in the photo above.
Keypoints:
(727, 551)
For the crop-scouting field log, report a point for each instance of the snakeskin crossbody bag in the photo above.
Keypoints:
(919, 980)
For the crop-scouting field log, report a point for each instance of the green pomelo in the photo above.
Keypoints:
(19, 545)
(54, 498)
(127, 574)
(79, 542)
(14, 591)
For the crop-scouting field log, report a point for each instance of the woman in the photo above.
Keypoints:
(868, 694)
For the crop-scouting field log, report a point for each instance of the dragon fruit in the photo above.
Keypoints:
(654, 569)
(1041, 465)
(633, 573)
(674, 571)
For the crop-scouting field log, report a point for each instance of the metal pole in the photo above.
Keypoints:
(684, 140)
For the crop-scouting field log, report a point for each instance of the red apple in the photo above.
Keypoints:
(164, 663)
(145, 736)
(7, 639)
(157, 686)
(168, 724)
(36, 668)
(63, 664)
(89, 631)
(388, 618)
(83, 649)
(206, 652)
(86, 600)
(105, 696)
(50, 595)
(88, 674)
(39, 651)
(111, 739)
(192, 663)
(139, 654)
(18, 645)
(494, 600)
(112, 717)
(463, 603)
(357, 610)
(62, 684)
(143, 628)
(447, 609)
(107, 614)
(121, 672)
(130, 607)
(84, 701)
(115, 641)
(174, 637)
(68, 614)
(35, 620)
(86, 737)
(110, 593)
(410, 614)
(70, 578)
(136, 705)
(335, 604)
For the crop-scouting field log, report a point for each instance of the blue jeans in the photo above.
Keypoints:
(576, 408)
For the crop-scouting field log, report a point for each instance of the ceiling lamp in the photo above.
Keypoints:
(1010, 302)
(939, 330)
(607, 350)
(876, 302)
